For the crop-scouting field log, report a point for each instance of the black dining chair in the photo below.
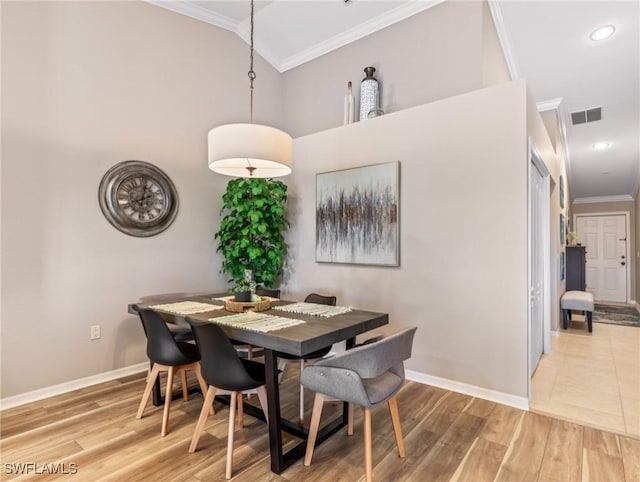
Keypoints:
(166, 355)
(225, 373)
(179, 332)
(268, 292)
(286, 358)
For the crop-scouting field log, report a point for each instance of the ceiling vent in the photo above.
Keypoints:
(584, 116)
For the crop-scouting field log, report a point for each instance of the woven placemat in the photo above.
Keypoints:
(186, 307)
(314, 309)
(259, 322)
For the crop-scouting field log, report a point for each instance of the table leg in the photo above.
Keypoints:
(273, 402)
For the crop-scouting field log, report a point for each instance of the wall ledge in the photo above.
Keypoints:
(472, 390)
(42, 393)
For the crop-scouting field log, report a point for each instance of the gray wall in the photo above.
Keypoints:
(86, 85)
(463, 273)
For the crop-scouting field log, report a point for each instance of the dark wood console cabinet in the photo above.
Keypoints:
(576, 268)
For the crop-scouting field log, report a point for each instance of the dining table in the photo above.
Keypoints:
(301, 335)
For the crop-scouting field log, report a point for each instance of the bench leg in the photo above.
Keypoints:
(564, 318)
(589, 320)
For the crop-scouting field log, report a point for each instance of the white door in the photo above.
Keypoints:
(605, 239)
(537, 266)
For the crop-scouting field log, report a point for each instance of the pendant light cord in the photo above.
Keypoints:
(251, 73)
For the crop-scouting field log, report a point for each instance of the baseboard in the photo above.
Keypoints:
(65, 387)
(555, 333)
(472, 390)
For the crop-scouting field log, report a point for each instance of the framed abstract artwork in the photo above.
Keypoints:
(562, 265)
(358, 215)
(562, 229)
(562, 192)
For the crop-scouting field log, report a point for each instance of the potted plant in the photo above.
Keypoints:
(250, 236)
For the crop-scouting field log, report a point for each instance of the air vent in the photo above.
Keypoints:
(584, 116)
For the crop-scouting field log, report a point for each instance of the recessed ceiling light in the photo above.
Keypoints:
(598, 146)
(602, 33)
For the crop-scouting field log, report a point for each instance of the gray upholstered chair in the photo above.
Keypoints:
(367, 376)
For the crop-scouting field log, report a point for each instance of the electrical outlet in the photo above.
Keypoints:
(95, 332)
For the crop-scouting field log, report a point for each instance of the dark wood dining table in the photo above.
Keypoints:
(301, 339)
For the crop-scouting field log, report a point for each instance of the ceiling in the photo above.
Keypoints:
(545, 42)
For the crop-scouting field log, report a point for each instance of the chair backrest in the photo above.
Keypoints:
(161, 345)
(373, 359)
(321, 299)
(221, 365)
(268, 292)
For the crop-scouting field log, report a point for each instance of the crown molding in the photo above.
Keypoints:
(551, 104)
(603, 199)
(398, 14)
(195, 11)
(503, 37)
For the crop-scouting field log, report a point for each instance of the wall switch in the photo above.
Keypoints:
(95, 332)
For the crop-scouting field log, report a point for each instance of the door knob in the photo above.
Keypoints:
(622, 256)
(622, 263)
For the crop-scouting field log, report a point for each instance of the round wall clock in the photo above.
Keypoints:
(138, 198)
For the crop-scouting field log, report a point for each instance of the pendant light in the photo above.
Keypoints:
(250, 150)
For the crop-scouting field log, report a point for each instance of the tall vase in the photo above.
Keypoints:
(368, 93)
(349, 105)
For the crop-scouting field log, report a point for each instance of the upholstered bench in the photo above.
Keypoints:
(577, 300)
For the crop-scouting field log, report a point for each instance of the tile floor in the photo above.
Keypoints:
(592, 378)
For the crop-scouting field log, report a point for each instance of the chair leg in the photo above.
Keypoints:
(368, 464)
(589, 321)
(318, 401)
(397, 428)
(565, 317)
(262, 397)
(282, 364)
(240, 415)
(350, 419)
(249, 352)
(151, 379)
(204, 413)
(197, 368)
(232, 415)
(301, 416)
(185, 388)
(167, 401)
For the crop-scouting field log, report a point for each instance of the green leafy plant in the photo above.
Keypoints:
(251, 231)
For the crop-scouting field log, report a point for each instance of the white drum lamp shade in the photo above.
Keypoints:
(250, 150)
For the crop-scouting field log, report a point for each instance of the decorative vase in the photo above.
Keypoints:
(368, 93)
(349, 106)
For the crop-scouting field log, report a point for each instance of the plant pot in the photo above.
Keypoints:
(243, 296)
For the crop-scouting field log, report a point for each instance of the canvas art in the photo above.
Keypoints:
(561, 192)
(357, 215)
(562, 229)
(562, 264)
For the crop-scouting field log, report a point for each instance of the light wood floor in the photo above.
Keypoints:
(448, 436)
(592, 378)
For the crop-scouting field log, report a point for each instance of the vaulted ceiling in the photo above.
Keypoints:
(546, 42)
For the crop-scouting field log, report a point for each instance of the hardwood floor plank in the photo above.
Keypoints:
(600, 441)
(562, 461)
(630, 449)
(445, 457)
(481, 463)
(598, 466)
(501, 424)
(480, 408)
(523, 459)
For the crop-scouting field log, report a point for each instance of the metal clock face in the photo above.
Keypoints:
(138, 199)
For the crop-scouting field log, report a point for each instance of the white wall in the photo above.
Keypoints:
(463, 273)
(86, 85)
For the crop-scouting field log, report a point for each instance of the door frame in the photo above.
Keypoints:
(535, 158)
(627, 227)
